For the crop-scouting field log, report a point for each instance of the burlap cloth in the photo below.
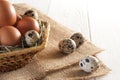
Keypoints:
(50, 64)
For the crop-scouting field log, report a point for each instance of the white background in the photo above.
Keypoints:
(98, 20)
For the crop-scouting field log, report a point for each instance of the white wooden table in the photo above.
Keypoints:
(98, 20)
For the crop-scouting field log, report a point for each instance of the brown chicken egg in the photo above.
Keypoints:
(7, 13)
(26, 24)
(9, 36)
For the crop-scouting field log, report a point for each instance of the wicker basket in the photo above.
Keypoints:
(19, 58)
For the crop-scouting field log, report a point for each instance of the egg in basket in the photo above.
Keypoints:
(21, 36)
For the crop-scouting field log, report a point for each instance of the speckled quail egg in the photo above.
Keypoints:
(78, 38)
(67, 46)
(31, 13)
(89, 64)
(31, 37)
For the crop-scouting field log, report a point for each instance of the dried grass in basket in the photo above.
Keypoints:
(12, 60)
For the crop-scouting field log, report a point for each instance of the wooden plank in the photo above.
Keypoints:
(71, 13)
(105, 30)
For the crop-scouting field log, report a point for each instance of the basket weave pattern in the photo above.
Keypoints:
(14, 62)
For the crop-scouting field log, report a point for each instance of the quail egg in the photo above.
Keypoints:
(78, 38)
(31, 37)
(31, 13)
(89, 64)
(67, 46)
